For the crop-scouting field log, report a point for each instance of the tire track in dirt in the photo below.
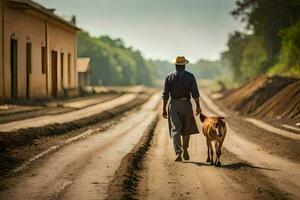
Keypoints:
(282, 173)
(84, 169)
(195, 179)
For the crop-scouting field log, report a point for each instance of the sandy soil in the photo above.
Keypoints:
(256, 164)
(67, 117)
(22, 112)
(83, 169)
(196, 179)
(267, 141)
(248, 172)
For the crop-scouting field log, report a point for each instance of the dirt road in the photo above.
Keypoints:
(67, 117)
(247, 172)
(84, 169)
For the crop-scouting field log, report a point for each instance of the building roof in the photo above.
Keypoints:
(28, 4)
(83, 65)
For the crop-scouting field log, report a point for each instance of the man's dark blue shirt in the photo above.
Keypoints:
(180, 84)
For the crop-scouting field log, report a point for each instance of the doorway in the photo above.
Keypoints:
(62, 70)
(14, 68)
(28, 69)
(54, 73)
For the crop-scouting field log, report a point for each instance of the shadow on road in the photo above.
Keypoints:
(200, 164)
(238, 165)
(231, 166)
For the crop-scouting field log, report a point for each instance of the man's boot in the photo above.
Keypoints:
(178, 158)
(186, 155)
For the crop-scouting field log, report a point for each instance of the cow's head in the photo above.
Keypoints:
(219, 126)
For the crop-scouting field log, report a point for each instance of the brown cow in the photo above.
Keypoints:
(214, 129)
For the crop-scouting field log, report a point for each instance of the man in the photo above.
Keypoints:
(180, 86)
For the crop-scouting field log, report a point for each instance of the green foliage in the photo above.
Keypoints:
(236, 44)
(161, 68)
(145, 72)
(206, 69)
(272, 42)
(266, 18)
(254, 58)
(203, 69)
(112, 62)
(289, 58)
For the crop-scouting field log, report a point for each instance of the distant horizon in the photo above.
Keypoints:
(198, 30)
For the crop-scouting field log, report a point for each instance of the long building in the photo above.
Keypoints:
(38, 52)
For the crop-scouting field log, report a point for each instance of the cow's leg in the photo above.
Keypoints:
(216, 148)
(208, 156)
(218, 152)
(211, 153)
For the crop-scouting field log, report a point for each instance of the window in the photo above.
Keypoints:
(44, 60)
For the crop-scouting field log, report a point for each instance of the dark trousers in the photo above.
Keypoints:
(180, 142)
(181, 123)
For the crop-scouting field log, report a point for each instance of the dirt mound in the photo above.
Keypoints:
(247, 98)
(285, 104)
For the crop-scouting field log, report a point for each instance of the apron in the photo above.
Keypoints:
(181, 118)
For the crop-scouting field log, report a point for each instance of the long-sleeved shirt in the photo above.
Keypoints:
(180, 84)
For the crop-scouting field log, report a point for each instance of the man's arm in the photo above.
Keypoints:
(196, 95)
(165, 96)
(165, 115)
(198, 108)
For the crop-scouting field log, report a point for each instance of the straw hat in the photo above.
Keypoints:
(180, 60)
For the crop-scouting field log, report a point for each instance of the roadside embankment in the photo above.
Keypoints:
(284, 104)
(275, 100)
(247, 98)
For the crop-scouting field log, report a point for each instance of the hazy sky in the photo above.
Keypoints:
(158, 28)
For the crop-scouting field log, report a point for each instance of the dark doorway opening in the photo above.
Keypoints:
(54, 73)
(62, 70)
(44, 60)
(69, 69)
(14, 68)
(28, 69)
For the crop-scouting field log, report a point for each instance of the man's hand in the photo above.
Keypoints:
(165, 115)
(198, 110)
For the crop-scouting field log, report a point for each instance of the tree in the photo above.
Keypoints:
(112, 62)
(258, 51)
(254, 58)
(289, 57)
(236, 44)
(266, 18)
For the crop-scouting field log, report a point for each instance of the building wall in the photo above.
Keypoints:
(1, 50)
(35, 28)
(83, 79)
(62, 39)
(27, 27)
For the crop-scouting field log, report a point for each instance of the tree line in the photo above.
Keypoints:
(202, 69)
(113, 63)
(271, 42)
